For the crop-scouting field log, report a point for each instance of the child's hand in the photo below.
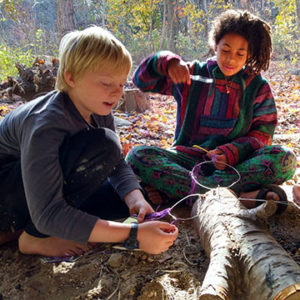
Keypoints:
(155, 237)
(218, 157)
(138, 205)
(179, 71)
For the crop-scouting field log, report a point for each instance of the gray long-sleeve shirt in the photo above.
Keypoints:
(34, 133)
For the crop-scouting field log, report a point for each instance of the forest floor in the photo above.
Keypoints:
(108, 273)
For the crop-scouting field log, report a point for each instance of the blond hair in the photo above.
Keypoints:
(86, 50)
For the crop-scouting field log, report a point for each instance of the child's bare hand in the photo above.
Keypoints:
(156, 237)
(179, 71)
(218, 157)
(138, 205)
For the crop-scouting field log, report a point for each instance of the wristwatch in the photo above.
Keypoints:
(132, 242)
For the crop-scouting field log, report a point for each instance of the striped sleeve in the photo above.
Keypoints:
(151, 75)
(261, 129)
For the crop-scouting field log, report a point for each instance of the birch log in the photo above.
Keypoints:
(245, 260)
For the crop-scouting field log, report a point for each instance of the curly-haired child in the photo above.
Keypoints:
(225, 113)
(62, 172)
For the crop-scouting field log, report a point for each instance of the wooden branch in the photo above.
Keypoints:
(245, 260)
(33, 81)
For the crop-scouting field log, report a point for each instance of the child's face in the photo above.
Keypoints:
(96, 91)
(232, 53)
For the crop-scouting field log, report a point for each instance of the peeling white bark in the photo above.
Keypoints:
(245, 260)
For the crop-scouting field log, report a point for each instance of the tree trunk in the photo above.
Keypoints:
(170, 20)
(245, 260)
(262, 8)
(298, 17)
(65, 17)
(237, 4)
(150, 35)
(163, 31)
(207, 21)
(255, 6)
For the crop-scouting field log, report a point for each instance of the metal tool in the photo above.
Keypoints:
(201, 78)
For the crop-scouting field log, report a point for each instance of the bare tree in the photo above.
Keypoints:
(298, 15)
(170, 18)
(163, 31)
(262, 8)
(65, 17)
(206, 23)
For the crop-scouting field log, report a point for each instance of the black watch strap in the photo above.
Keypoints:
(132, 242)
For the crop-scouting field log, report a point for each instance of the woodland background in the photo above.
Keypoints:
(31, 28)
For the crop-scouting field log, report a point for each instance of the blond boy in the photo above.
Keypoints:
(62, 171)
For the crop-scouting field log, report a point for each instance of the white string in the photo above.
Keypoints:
(239, 178)
(208, 187)
(218, 191)
(184, 198)
(263, 200)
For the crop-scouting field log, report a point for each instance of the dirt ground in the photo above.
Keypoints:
(108, 273)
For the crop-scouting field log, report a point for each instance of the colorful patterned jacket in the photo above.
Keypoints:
(238, 122)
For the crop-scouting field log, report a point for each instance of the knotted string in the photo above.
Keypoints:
(167, 212)
(157, 215)
(195, 172)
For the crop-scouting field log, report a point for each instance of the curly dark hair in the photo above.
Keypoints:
(256, 31)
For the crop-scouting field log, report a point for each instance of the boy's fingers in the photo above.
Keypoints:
(169, 228)
(141, 215)
(165, 225)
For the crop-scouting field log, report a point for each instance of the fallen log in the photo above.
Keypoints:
(32, 81)
(246, 262)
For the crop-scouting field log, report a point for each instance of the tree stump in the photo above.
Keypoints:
(134, 100)
(245, 260)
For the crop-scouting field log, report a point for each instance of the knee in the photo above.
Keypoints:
(84, 146)
(284, 156)
(112, 145)
(104, 144)
(287, 162)
(289, 159)
(134, 152)
(143, 155)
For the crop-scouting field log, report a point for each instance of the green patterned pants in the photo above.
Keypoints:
(169, 170)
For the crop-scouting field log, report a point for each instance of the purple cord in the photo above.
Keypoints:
(157, 215)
